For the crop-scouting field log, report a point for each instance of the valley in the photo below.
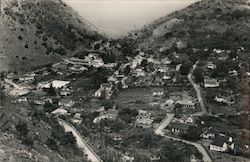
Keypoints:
(175, 90)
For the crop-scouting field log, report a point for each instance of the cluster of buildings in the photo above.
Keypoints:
(110, 114)
(180, 98)
(219, 141)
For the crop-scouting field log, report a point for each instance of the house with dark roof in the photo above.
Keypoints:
(222, 143)
(178, 128)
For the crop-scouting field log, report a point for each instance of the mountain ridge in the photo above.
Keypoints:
(41, 32)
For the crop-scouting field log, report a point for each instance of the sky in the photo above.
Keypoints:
(115, 18)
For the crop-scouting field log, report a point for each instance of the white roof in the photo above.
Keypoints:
(59, 111)
(55, 84)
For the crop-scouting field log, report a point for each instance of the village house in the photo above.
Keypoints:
(66, 102)
(78, 68)
(110, 114)
(55, 84)
(11, 75)
(105, 91)
(116, 136)
(178, 128)
(77, 118)
(209, 133)
(166, 61)
(143, 119)
(138, 73)
(65, 92)
(187, 119)
(42, 101)
(76, 61)
(110, 65)
(178, 67)
(186, 104)
(211, 83)
(222, 143)
(59, 112)
(153, 60)
(23, 99)
(224, 100)
(28, 77)
(211, 65)
(159, 93)
(233, 73)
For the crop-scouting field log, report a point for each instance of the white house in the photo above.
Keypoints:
(65, 92)
(77, 118)
(209, 133)
(210, 65)
(55, 84)
(59, 111)
(66, 102)
(211, 83)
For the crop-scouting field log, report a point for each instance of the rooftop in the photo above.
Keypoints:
(180, 126)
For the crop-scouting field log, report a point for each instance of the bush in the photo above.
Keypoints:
(22, 128)
(198, 74)
(28, 141)
(52, 144)
(20, 37)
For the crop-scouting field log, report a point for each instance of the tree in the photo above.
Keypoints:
(127, 114)
(144, 63)
(118, 125)
(127, 70)
(185, 68)
(52, 144)
(48, 107)
(108, 104)
(178, 109)
(28, 141)
(198, 74)
(22, 128)
(193, 133)
(51, 90)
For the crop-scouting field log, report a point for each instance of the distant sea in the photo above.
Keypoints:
(115, 18)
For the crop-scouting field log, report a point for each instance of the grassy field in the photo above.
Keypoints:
(138, 98)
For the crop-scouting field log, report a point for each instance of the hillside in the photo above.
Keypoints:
(13, 150)
(38, 32)
(220, 24)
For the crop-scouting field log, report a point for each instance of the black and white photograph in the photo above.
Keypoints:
(124, 80)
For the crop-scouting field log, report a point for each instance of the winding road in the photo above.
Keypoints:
(91, 155)
(200, 148)
(165, 122)
(198, 92)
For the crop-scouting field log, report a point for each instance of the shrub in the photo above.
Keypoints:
(22, 128)
(20, 37)
(26, 46)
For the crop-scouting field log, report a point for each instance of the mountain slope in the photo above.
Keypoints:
(38, 32)
(222, 24)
